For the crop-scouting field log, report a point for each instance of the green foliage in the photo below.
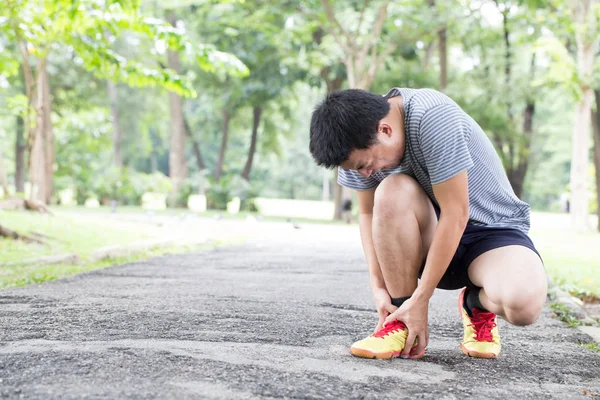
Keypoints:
(85, 28)
(565, 314)
(592, 346)
(127, 186)
(219, 193)
(562, 71)
(239, 55)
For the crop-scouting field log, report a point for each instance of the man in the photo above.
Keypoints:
(435, 204)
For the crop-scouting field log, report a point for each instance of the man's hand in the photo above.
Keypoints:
(384, 305)
(413, 313)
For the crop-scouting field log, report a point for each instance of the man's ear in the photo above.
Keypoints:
(384, 128)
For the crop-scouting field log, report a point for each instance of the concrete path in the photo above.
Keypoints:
(270, 319)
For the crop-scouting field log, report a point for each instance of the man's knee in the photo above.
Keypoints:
(396, 194)
(523, 303)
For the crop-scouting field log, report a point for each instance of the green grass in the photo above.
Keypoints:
(125, 210)
(74, 232)
(592, 346)
(68, 234)
(15, 276)
(565, 314)
(572, 259)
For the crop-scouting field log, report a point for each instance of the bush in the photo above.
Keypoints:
(218, 193)
(127, 186)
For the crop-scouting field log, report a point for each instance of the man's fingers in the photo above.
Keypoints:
(408, 345)
(379, 324)
(419, 350)
(390, 308)
(390, 318)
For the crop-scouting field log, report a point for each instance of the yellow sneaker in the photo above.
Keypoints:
(388, 342)
(481, 338)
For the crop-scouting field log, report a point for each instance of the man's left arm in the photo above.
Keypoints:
(453, 197)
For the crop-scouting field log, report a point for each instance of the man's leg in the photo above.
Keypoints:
(403, 225)
(513, 282)
(404, 222)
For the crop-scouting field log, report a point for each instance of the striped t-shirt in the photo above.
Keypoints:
(441, 141)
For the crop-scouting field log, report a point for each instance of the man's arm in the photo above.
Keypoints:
(453, 198)
(366, 199)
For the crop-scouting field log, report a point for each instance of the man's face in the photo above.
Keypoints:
(385, 153)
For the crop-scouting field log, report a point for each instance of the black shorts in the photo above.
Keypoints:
(475, 241)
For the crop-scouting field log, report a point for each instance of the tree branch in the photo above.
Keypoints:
(362, 14)
(334, 21)
(377, 28)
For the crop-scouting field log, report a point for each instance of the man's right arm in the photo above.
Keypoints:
(366, 201)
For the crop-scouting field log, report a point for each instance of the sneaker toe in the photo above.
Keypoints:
(372, 347)
(481, 349)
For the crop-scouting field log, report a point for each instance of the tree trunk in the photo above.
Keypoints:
(221, 159)
(257, 113)
(443, 53)
(518, 175)
(3, 178)
(177, 161)
(334, 84)
(579, 163)
(325, 196)
(585, 21)
(49, 139)
(195, 145)
(443, 59)
(524, 145)
(20, 146)
(38, 158)
(112, 96)
(596, 125)
(337, 196)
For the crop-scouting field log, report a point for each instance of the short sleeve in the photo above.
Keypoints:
(444, 134)
(353, 180)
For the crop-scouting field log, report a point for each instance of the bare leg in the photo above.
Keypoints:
(514, 283)
(403, 225)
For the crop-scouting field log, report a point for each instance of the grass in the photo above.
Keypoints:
(206, 214)
(564, 313)
(71, 233)
(15, 276)
(591, 346)
(68, 234)
(572, 259)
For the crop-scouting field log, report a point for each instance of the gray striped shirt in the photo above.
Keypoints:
(441, 141)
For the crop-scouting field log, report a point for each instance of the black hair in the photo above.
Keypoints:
(345, 120)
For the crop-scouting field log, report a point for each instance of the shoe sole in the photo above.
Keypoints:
(476, 354)
(362, 353)
(470, 353)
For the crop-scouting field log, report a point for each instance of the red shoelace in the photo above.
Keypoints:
(483, 323)
(390, 328)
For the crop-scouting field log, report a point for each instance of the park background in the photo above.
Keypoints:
(122, 121)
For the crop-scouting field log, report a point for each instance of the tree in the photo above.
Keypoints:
(177, 161)
(596, 134)
(369, 36)
(83, 27)
(3, 180)
(36, 29)
(585, 17)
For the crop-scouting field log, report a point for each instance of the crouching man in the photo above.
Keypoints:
(435, 204)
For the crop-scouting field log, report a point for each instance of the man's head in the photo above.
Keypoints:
(356, 130)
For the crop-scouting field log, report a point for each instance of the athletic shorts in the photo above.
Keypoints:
(475, 241)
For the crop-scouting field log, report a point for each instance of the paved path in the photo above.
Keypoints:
(270, 319)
